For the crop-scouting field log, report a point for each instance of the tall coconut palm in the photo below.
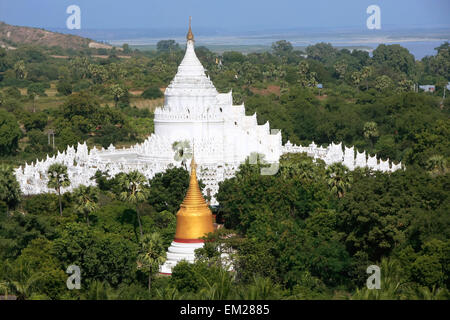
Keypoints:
(134, 189)
(371, 131)
(117, 92)
(339, 179)
(366, 72)
(341, 68)
(57, 179)
(356, 78)
(86, 199)
(152, 254)
(20, 70)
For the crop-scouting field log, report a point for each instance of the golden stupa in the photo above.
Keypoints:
(190, 35)
(194, 219)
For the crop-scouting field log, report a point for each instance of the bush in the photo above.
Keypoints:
(152, 93)
(111, 134)
(64, 87)
(81, 85)
(38, 142)
(36, 120)
(13, 92)
(42, 204)
(189, 277)
(37, 89)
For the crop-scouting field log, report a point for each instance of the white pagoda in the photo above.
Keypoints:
(194, 117)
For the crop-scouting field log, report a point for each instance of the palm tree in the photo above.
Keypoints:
(366, 72)
(101, 290)
(356, 78)
(134, 189)
(118, 92)
(260, 289)
(339, 179)
(21, 280)
(220, 289)
(4, 288)
(58, 178)
(32, 97)
(436, 165)
(393, 284)
(169, 293)
(152, 254)
(20, 70)
(86, 199)
(424, 293)
(341, 68)
(371, 131)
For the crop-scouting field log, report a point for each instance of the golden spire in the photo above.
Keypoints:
(190, 35)
(194, 196)
(194, 219)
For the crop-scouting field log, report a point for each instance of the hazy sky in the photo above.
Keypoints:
(245, 15)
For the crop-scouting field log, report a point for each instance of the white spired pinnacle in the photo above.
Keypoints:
(190, 87)
(194, 115)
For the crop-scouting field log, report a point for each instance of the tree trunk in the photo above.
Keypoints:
(87, 218)
(150, 280)
(139, 221)
(59, 199)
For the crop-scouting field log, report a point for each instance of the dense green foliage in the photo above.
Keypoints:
(152, 93)
(9, 133)
(307, 232)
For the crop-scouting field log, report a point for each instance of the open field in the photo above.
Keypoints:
(101, 56)
(53, 100)
(151, 104)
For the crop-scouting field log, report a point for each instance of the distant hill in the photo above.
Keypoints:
(11, 36)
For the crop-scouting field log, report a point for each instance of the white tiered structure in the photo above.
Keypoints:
(194, 112)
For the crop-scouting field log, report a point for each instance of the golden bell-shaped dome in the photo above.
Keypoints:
(194, 219)
(190, 35)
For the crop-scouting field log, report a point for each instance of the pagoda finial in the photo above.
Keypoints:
(190, 35)
(193, 165)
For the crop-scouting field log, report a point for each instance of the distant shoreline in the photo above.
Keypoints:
(246, 48)
(419, 47)
(420, 42)
(346, 41)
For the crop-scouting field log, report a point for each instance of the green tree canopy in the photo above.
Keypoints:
(9, 133)
(10, 192)
(167, 46)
